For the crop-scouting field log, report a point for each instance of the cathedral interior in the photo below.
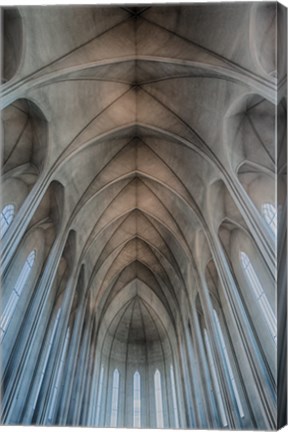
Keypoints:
(143, 216)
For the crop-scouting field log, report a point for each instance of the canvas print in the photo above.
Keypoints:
(143, 216)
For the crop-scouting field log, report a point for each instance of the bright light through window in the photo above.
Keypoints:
(158, 399)
(6, 218)
(136, 400)
(115, 395)
(270, 215)
(16, 293)
(259, 294)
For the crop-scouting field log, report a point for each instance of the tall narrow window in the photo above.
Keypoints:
(228, 365)
(259, 294)
(270, 215)
(16, 293)
(136, 400)
(175, 409)
(158, 400)
(100, 388)
(215, 379)
(6, 218)
(115, 396)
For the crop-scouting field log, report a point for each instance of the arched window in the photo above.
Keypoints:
(136, 400)
(175, 409)
(228, 365)
(16, 293)
(158, 400)
(6, 218)
(259, 294)
(115, 396)
(270, 215)
(215, 380)
(100, 387)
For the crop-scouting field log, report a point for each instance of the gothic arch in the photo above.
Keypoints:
(139, 165)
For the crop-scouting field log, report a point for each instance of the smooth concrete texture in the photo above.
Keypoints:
(145, 159)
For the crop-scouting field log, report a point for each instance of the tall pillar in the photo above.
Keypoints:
(89, 383)
(48, 412)
(80, 372)
(186, 385)
(209, 409)
(198, 392)
(71, 364)
(226, 388)
(24, 356)
(263, 376)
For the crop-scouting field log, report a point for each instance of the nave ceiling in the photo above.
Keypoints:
(140, 103)
(140, 129)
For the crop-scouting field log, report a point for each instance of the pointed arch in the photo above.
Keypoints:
(115, 398)
(158, 399)
(6, 218)
(136, 400)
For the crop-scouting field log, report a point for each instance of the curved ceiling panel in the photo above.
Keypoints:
(140, 91)
(157, 122)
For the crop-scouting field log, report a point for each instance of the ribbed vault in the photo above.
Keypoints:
(157, 121)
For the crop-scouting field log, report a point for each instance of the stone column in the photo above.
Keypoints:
(196, 383)
(71, 364)
(80, 372)
(27, 347)
(209, 413)
(263, 376)
(218, 357)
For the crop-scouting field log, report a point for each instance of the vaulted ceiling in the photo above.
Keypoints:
(143, 107)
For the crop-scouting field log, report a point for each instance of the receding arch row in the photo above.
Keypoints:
(99, 250)
(137, 271)
(139, 167)
(133, 209)
(134, 145)
(135, 288)
(117, 258)
(162, 275)
(230, 181)
(134, 300)
(101, 138)
(46, 179)
(154, 240)
(174, 228)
